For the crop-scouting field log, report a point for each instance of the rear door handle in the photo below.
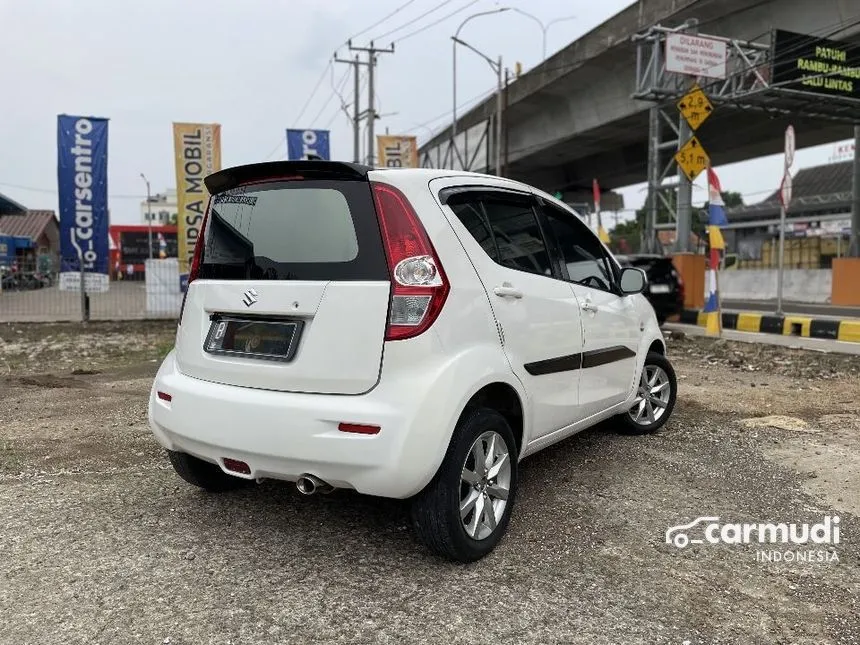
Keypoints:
(587, 306)
(507, 292)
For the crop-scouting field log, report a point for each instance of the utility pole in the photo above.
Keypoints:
(370, 113)
(356, 114)
(685, 196)
(649, 226)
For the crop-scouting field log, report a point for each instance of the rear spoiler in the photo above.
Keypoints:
(229, 178)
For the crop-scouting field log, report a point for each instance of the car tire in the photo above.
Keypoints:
(647, 415)
(435, 511)
(203, 474)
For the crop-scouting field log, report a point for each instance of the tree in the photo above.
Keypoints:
(732, 199)
(626, 236)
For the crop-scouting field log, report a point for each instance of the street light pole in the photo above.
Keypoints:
(543, 27)
(499, 90)
(454, 72)
(148, 212)
(496, 66)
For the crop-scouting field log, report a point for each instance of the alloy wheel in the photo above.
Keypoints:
(652, 397)
(484, 485)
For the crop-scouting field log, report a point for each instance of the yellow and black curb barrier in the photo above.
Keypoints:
(847, 330)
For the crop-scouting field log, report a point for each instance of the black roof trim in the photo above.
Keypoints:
(229, 178)
(446, 194)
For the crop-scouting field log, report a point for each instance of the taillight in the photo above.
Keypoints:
(196, 259)
(419, 283)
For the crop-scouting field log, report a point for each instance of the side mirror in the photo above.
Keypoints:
(633, 281)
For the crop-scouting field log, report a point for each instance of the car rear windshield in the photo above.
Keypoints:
(294, 230)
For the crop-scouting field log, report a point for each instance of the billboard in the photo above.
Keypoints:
(302, 143)
(818, 65)
(82, 150)
(197, 150)
(396, 151)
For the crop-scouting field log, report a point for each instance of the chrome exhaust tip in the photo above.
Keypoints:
(309, 484)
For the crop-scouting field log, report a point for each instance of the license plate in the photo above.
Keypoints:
(272, 340)
(660, 288)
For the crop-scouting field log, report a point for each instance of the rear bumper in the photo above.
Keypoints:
(283, 435)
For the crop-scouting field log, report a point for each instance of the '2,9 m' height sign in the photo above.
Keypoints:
(197, 148)
(82, 147)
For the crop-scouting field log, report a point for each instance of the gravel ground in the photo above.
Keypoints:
(102, 543)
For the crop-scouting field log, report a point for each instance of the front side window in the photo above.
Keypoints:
(581, 251)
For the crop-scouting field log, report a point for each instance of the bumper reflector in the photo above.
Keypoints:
(164, 396)
(358, 428)
(236, 466)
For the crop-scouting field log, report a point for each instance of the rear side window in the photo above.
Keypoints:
(471, 214)
(506, 227)
(294, 230)
(518, 236)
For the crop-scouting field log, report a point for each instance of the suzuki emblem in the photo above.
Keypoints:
(251, 297)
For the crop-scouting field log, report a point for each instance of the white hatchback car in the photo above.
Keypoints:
(403, 333)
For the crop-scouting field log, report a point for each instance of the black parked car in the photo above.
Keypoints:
(665, 288)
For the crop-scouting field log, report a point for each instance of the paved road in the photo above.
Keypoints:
(769, 306)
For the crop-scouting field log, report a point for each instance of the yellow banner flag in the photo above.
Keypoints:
(197, 151)
(603, 235)
(396, 151)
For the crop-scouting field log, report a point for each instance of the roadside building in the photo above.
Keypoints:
(818, 223)
(35, 236)
(163, 207)
(129, 248)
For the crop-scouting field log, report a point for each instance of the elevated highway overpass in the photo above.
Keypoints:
(573, 118)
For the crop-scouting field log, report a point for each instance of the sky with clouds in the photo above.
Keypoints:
(252, 66)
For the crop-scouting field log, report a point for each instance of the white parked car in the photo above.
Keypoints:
(406, 333)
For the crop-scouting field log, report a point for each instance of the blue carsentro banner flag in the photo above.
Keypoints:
(82, 151)
(304, 143)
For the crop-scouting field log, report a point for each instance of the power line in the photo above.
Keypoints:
(313, 93)
(344, 105)
(380, 21)
(329, 64)
(52, 191)
(433, 24)
(447, 113)
(281, 142)
(414, 20)
(341, 83)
